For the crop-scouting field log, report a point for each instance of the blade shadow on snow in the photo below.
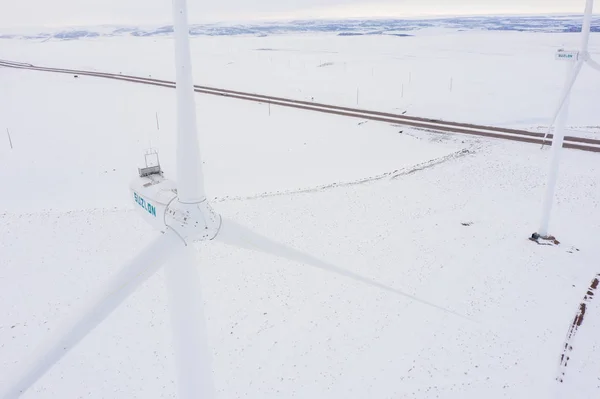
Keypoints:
(234, 234)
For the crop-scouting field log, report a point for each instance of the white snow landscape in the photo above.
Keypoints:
(443, 217)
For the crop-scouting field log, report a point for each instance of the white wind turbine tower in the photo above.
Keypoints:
(183, 215)
(575, 59)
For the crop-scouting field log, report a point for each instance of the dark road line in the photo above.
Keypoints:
(434, 125)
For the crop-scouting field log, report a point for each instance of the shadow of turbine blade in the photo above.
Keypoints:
(234, 234)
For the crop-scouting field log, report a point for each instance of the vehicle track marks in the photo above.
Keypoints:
(575, 326)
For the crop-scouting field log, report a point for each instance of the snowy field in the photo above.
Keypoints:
(442, 217)
(500, 78)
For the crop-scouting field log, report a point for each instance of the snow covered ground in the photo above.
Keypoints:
(443, 217)
(92, 140)
(501, 78)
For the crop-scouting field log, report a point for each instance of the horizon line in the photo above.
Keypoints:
(267, 20)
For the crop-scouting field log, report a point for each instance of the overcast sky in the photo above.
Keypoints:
(54, 13)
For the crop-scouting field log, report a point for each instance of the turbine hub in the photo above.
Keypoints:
(193, 222)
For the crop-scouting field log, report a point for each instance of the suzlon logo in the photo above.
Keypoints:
(565, 55)
(151, 209)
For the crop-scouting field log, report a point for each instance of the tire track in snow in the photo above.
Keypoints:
(391, 175)
(575, 326)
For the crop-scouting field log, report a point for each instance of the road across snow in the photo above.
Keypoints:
(580, 143)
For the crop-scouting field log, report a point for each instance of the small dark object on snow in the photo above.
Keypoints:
(404, 113)
(551, 239)
(467, 224)
(75, 76)
(545, 240)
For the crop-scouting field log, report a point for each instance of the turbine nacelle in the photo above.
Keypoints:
(156, 200)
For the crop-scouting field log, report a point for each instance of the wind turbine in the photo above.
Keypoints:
(559, 119)
(183, 215)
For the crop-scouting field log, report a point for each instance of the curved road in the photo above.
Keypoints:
(434, 125)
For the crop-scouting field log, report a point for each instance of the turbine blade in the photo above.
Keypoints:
(190, 179)
(234, 234)
(586, 25)
(192, 356)
(593, 63)
(566, 92)
(583, 57)
(80, 323)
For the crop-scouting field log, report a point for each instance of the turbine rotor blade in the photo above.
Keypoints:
(190, 179)
(592, 63)
(232, 233)
(583, 57)
(566, 92)
(192, 356)
(586, 25)
(107, 298)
